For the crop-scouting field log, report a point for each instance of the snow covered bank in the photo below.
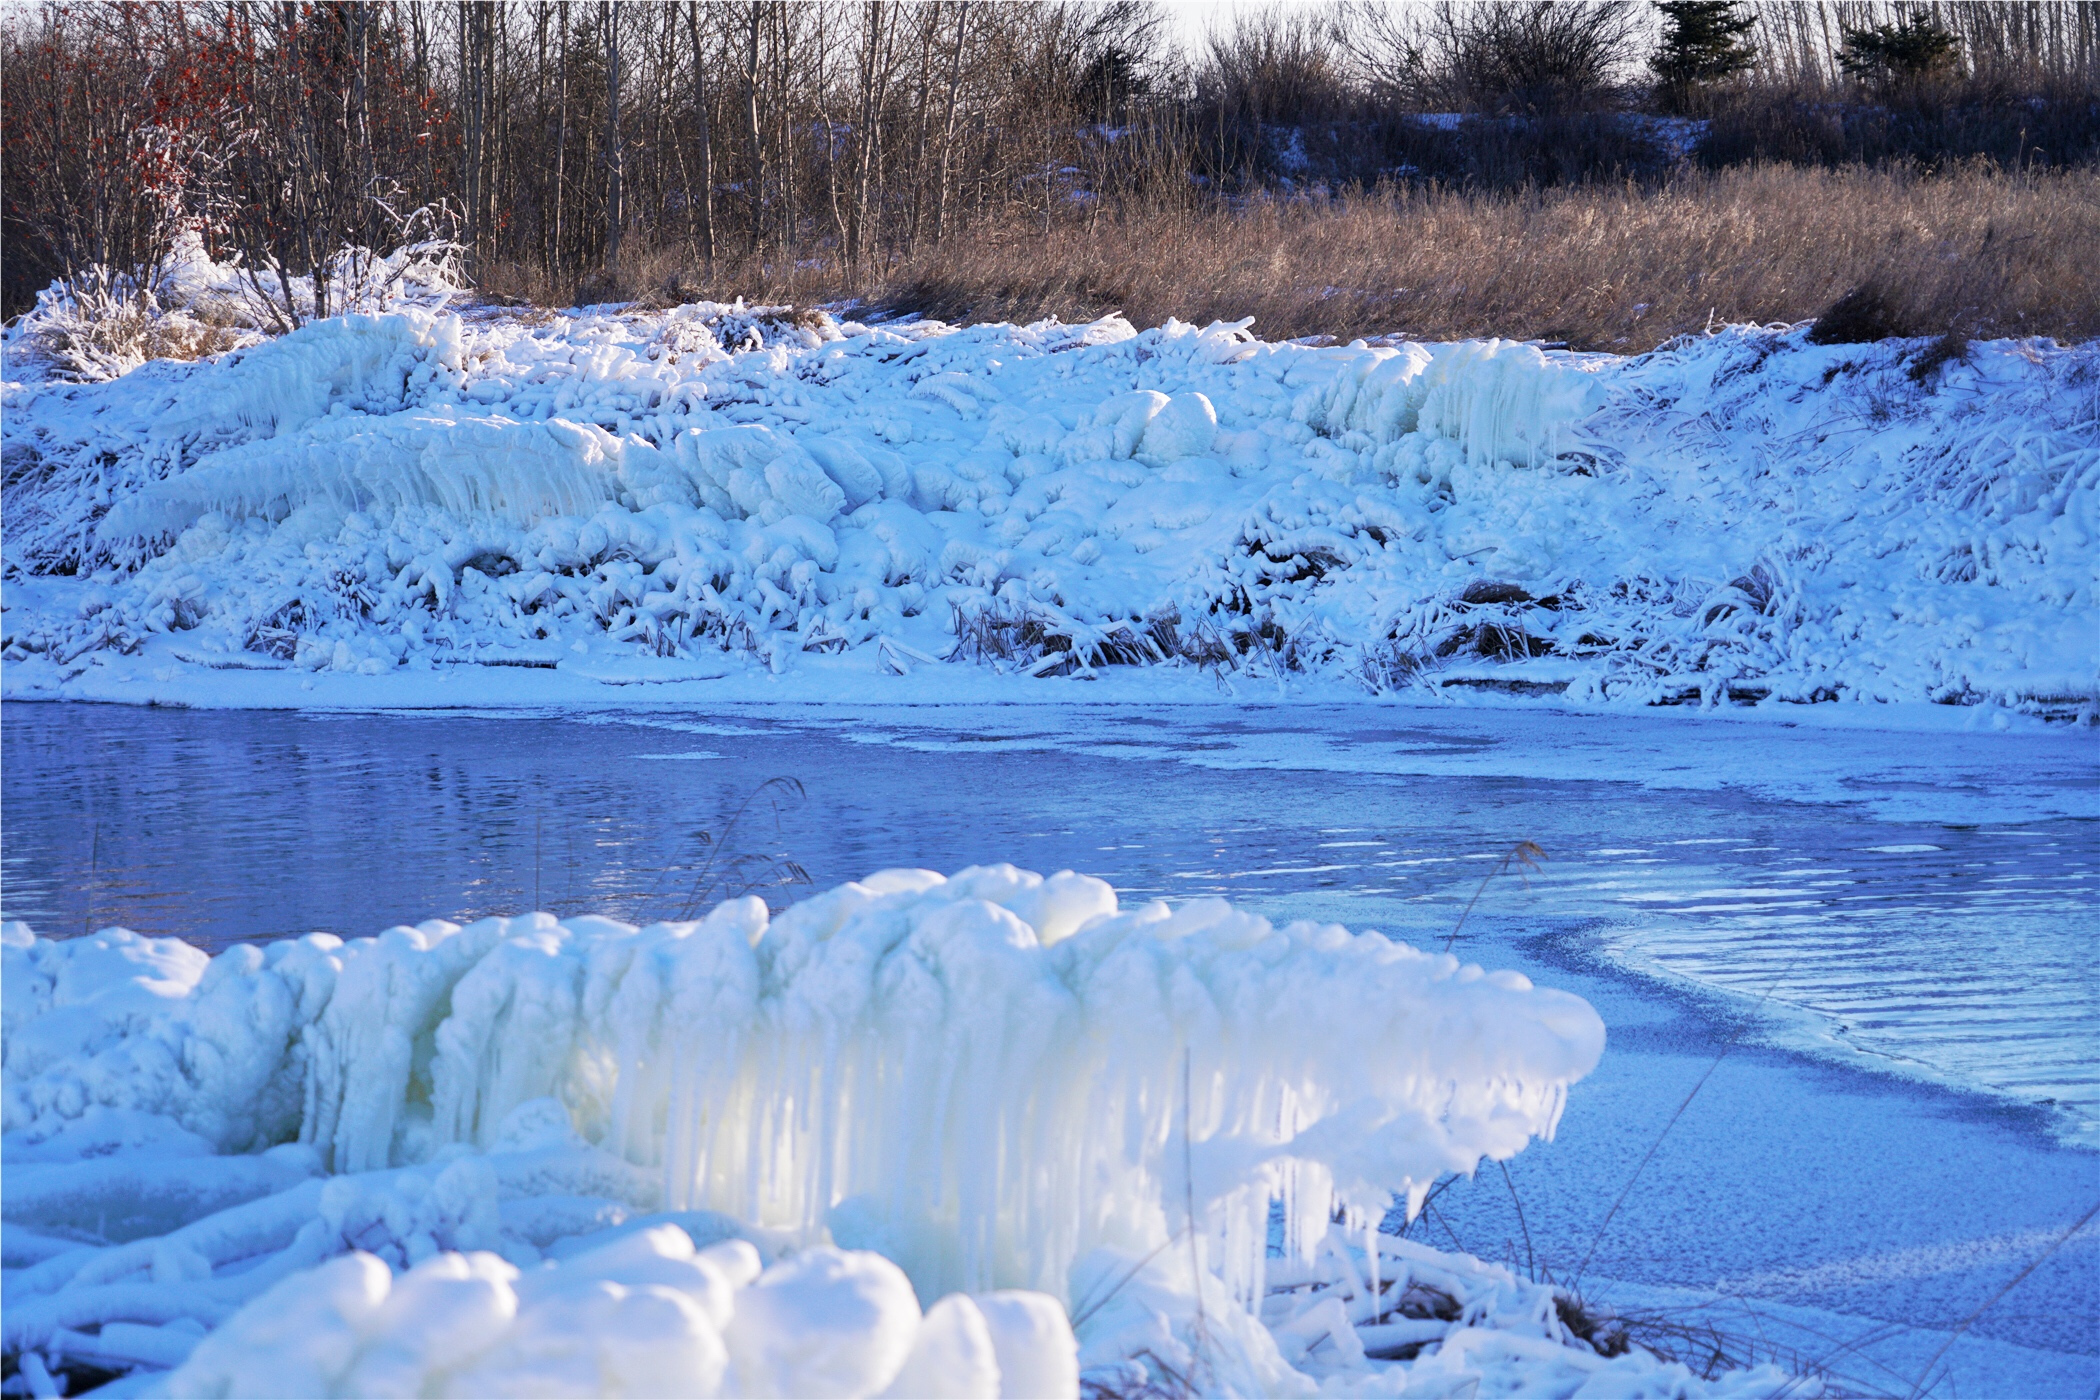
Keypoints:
(509, 1138)
(1741, 518)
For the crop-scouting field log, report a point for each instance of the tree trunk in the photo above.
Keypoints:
(615, 152)
(704, 135)
(754, 17)
(867, 136)
(918, 165)
(561, 144)
(940, 200)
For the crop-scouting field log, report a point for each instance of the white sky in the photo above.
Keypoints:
(1193, 17)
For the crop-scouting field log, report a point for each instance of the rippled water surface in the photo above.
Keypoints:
(1922, 903)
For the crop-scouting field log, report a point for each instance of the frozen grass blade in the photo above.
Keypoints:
(1525, 854)
(1924, 1382)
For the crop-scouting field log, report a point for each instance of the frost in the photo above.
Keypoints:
(1739, 518)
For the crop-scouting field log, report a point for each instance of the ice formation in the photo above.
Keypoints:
(1738, 517)
(641, 1314)
(478, 1160)
(873, 1061)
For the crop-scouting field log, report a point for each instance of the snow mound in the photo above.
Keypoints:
(731, 1155)
(643, 1314)
(1736, 518)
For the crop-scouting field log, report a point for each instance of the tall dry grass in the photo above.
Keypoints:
(1975, 251)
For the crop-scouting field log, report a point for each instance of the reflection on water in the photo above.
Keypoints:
(1966, 951)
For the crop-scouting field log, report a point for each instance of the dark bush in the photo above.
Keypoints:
(1928, 125)
(1537, 56)
(1866, 313)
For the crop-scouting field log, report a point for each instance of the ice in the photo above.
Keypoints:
(835, 1323)
(953, 1358)
(108, 1191)
(649, 1316)
(496, 1146)
(1031, 1342)
(869, 1061)
(1735, 518)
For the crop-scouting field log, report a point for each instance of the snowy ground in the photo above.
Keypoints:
(713, 496)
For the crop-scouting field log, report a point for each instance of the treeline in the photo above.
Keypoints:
(593, 147)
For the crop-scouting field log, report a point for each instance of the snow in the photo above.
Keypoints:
(732, 1155)
(1737, 519)
(642, 1315)
(99, 328)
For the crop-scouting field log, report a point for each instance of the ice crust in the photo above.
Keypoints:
(1741, 515)
(732, 1156)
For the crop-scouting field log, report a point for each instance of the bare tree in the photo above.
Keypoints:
(615, 155)
(703, 133)
(753, 21)
(477, 77)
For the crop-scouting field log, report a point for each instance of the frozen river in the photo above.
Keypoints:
(1907, 922)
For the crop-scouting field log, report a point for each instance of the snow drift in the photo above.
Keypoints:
(731, 1156)
(1742, 517)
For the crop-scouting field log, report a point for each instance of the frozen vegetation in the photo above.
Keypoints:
(976, 1136)
(1742, 517)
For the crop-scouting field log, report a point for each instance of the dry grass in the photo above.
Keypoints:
(101, 337)
(1975, 251)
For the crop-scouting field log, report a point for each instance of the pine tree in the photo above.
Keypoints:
(1702, 42)
(1893, 53)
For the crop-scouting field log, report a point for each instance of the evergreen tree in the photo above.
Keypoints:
(1702, 42)
(1907, 49)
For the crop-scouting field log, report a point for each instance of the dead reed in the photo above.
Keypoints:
(1975, 251)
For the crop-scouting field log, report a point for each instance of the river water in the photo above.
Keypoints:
(1899, 909)
(1962, 950)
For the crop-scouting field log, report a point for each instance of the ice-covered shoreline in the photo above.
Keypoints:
(452, 1158)
(616, 502)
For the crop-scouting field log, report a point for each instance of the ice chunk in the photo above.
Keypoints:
(993, 1077)
(826, 1324)
(760, 473)
(953, 1357)
(1033, 1341)
(627, 1320)
(1503, 401)
(1184, 427)
(459, 462)
(875, 1061)
(297, 1339)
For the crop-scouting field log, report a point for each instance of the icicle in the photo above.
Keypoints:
(904, 1063)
